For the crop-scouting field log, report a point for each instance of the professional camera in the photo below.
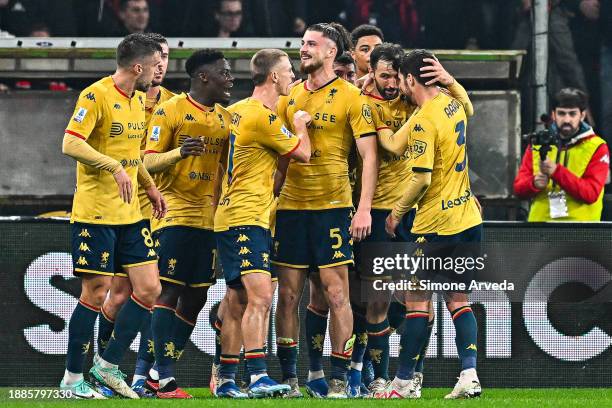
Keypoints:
(543, 138)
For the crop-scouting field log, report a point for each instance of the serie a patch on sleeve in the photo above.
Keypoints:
(286, 131)
(80, 115)
(155, 134)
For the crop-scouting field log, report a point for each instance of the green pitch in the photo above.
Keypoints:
(432, 397)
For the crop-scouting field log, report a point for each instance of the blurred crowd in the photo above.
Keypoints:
(580, 34)
(457, 24)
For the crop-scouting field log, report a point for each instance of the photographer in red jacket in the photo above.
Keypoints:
(568, 184)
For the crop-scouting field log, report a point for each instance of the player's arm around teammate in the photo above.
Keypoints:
(434, 73)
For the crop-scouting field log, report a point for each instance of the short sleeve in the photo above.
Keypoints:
(361, 117)
(423, 139)
(273, 134)
(161, 129)
(86, 114)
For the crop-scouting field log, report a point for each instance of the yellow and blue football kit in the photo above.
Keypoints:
(242, 221)
(448, 221)
(316, 196)
(113, 124)
(187, 244)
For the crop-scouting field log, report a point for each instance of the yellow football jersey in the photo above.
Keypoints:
(394, 170)
(150, 107)
(114, 124)
(437, 138)
(188, 186)
(340, 114)
(257, 138)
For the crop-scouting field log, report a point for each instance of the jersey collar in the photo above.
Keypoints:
(321, 87)
(201, 107)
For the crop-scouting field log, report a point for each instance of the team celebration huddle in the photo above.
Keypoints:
(283, 187)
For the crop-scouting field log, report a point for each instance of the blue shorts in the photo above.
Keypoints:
(186, 255)
(465, 244)
(108, 249)
(313, 238)
(378, 234)
(243, 250)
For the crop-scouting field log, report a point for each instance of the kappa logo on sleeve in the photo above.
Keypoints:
(155, 134)
(80, 115)
(366, 112)
(286, 131)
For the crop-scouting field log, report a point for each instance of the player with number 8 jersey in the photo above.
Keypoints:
(108, 232)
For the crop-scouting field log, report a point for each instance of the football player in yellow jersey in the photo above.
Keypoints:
(391, 111)
(316, 197)
(186, 138)
(121, 289)
(108, 232)
(365, 38)
(257, 138)
(447, 215)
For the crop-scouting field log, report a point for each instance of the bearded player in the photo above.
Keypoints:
(314, 225)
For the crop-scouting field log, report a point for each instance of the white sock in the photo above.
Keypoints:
(138, 377)
(255, 377)
(105, 364)
(72, 378)
(400, 383)
(315, 375)
(356, 366)
(164, 381)
(96, 357)
(154, 374)
(469, 371)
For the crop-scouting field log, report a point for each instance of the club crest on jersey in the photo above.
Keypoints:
(272, 118)
(418, 148)
(222, 122)
(286, 132)
(155, 134)
(330, 96)
(366, 112)
(80, 115)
